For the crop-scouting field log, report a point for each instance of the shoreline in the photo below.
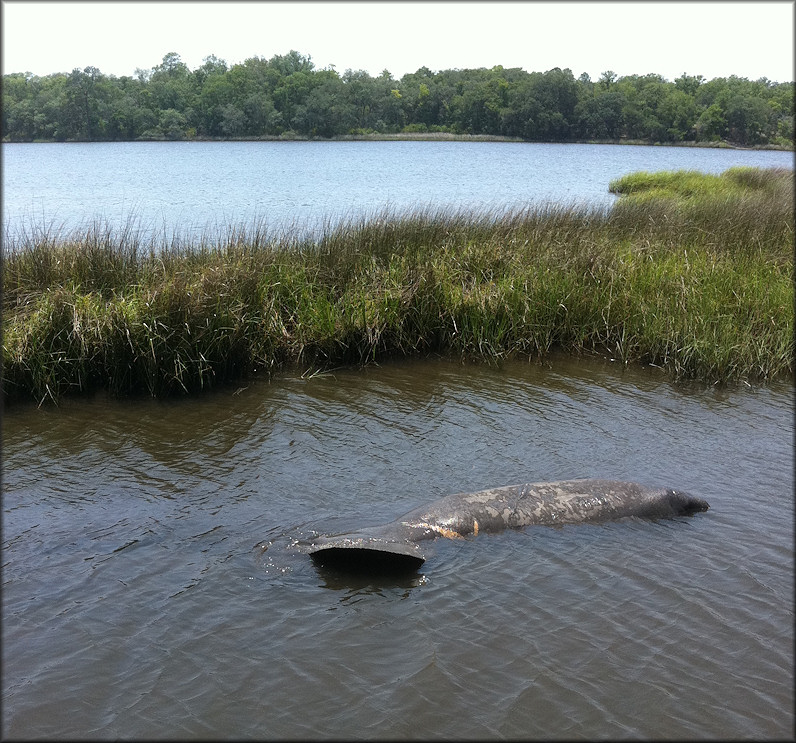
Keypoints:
(689, 272)
(419, 137)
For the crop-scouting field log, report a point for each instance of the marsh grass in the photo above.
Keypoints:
(694, 277)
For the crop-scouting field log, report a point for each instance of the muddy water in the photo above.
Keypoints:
(150, 587)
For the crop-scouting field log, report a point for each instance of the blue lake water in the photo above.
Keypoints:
(195, 187)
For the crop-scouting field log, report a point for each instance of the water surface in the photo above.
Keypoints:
(203, 187)
(150, 589)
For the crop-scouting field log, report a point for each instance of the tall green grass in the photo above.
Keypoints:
(697, 278)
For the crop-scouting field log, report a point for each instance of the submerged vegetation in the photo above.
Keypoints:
(687, 271)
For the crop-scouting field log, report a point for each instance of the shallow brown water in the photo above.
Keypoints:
(151, 588)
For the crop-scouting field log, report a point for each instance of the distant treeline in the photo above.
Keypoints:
(286, 97)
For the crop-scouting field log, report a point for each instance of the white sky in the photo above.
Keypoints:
(713, 39)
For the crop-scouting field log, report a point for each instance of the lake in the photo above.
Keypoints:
(151, 588)
(202, 187)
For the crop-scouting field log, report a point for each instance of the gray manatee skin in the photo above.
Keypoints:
(396, 545)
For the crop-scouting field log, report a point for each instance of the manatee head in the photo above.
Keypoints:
(685, 504)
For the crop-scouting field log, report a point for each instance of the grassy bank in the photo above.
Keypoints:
(690, 272)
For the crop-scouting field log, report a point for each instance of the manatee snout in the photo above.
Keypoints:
(685, 504)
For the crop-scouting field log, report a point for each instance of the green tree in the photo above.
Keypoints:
(291, 63)
(171, 84)
(711, 126)
(83, 107)
(48, 97)
(782, 106)
(520, 117)
(389, 104)
(327, 110)
(211, 66)
(360, 93)
(607, 79)
(18, 110)
(427, 97)
(601, 117)
(233, 121)
(749, 120)
(172, 123)
(644, 95)
(262, 118)
(557, 92)
(477, 108)
(293, 86)
(677, 114)
(689, 84)
(268, 97)
(216, 93)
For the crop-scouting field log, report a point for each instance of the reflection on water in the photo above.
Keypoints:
(355, 587)
(151, 585)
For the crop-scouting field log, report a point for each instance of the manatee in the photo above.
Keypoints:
(398, 546)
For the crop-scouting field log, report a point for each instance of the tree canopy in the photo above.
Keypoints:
(286, 96)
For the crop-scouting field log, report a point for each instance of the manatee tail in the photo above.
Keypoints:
(360, 553)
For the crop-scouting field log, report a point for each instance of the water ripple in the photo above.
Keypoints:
(151, 584)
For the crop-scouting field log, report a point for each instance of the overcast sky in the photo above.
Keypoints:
(713, 39)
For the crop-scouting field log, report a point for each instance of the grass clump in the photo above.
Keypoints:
(693, 184)
(690, 272)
